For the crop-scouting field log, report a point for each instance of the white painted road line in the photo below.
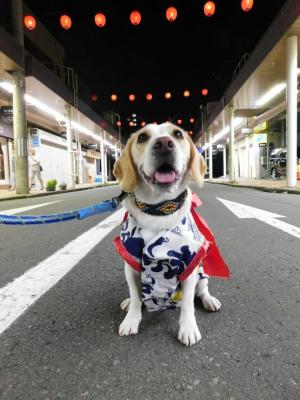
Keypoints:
(21, 293)
(243, 211)
(13, 211)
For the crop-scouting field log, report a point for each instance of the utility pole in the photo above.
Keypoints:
(71, 174)
(203, 130)
(291, 63)
(210, 161)
(105, 159)
(231, 144)
(19, 112)
(224, 161)
(103, 174)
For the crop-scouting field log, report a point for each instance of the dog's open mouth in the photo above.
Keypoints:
(165, 174)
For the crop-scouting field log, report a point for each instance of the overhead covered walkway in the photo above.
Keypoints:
(75, 145)
(258, 113)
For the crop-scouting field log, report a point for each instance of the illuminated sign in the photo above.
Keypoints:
(261, 127)
(247, 131)
(261, 138)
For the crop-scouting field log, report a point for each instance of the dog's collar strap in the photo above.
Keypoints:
(164, 208)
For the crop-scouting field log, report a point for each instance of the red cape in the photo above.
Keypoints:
(213, 263)
(209, 254)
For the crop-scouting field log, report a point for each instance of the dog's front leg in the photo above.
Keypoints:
(130, 324)
(188, 330)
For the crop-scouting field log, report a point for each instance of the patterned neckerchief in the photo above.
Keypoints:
(164, 208)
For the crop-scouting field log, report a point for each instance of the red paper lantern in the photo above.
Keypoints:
(179, 121)
(131, 97)
(247, 5)
(114, 97)
(209, 8)
(94, 97)
(186, 93)
(135, 18)
(171, 14)
(192, 120)
(100, 20)
(149, 96)
(65, 21)
(204, 92)
(29, 22)
(119, 123)
(168, 95)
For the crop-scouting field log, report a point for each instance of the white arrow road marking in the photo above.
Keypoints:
(21, 293)
(13, 211)
(243, 211)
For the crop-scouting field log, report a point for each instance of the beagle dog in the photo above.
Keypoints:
(163, 241)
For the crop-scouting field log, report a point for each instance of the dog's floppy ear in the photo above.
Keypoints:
(124, 169)
(197, 164)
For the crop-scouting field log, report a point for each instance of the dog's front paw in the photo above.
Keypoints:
(210, 303)
(130, 325)
(189, 333)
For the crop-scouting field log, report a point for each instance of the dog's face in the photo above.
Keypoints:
(161, 157)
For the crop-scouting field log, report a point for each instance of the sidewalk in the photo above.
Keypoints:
(12, 195)
(266, 185)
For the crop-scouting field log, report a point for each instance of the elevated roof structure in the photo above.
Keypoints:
(48, 90)
(257, 93)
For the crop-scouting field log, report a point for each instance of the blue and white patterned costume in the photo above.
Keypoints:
(168, 258)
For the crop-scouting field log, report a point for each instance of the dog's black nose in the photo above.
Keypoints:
(163, 145)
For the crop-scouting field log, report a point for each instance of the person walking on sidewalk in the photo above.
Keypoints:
(35, 169)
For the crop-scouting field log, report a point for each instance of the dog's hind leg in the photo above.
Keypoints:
(130, 324)
(209, 302)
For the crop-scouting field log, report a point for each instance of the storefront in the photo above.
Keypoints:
(6, 136)
(90, 165)
(53, 153)
(251, 156)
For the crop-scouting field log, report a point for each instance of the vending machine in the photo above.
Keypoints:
(263, 154)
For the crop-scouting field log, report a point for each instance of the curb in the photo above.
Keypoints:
(28, 196)
(261, 188)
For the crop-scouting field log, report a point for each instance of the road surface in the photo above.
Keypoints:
(60, 320)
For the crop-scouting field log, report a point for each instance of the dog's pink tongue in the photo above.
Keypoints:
(168, 177)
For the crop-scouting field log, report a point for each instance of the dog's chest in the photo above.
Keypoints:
(148, 234)
(163, 256)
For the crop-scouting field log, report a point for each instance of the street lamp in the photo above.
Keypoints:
(134, 118)
(119, 123)
(111, 117)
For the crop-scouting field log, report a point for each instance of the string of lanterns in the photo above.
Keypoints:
(131, 123)
(149, 96)
(135, 17)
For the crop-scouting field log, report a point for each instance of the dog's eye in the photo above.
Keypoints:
(178, 134)
(143, 137)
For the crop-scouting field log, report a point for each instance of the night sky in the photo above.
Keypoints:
(192, 53)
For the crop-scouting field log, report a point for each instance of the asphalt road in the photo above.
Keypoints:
(66, 346)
